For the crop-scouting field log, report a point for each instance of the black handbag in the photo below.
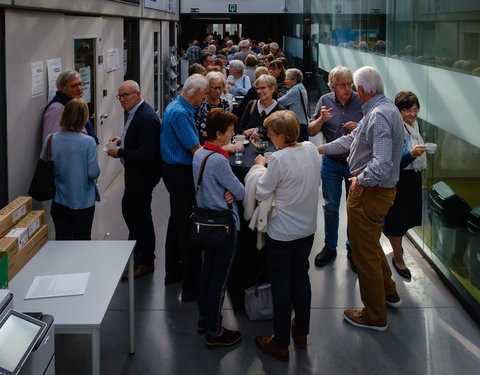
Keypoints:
(209, 227)
(42, 187)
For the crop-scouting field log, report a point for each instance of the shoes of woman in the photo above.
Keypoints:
(404, 273)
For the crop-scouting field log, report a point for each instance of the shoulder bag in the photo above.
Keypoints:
(42, 187)
(209, 227)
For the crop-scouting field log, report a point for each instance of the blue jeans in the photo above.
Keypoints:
(288, 272)
(216, 266)
(333, 174)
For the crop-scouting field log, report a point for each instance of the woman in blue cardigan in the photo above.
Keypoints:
(74, 156)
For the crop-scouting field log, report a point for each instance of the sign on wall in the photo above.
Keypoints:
(165, 5)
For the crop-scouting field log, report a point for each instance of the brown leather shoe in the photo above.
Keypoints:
(143, 269)
(356, 318)
(267, 346)
(300, 341)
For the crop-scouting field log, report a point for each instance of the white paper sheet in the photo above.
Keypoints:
(54, 68)
(37, 78)
(72, 284)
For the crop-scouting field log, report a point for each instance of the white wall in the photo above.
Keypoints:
(449, 100)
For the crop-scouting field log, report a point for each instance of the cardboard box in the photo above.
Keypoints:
(9, 245)
(3, 271)
(14, 212)
(28, 251)
(19, 235)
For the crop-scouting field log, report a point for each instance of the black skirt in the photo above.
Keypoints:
(406, 211)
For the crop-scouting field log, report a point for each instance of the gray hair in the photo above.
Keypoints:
(131, 85)
(274, 46)
(267, 80)
(337, 74)
(295, 74)
(194, 83)
(244, 43)
(238, 65)
(216, 76)
(370, 80)
(65, 77)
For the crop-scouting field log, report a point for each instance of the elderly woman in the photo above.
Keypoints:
(218, 191)
(267, 60)
(406, 211)
(69, 86)
(293, 177)
(296, 100)
(257, 110)
(74, 157)
(277, 70)
(251, 62)
(238, 81)
(216, 85)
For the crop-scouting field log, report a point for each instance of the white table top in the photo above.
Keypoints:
(106, 261)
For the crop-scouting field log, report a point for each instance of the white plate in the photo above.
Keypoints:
(246, 142)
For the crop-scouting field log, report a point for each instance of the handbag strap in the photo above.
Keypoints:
(303, 105)
(48, 149)
(200, 175)
(253, 106)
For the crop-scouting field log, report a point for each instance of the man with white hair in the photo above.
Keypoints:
(178, 142)
(375, 151)
(275, 50)
(245, 50)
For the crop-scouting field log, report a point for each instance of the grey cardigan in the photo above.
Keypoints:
(293, 102)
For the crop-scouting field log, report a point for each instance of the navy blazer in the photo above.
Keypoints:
(141, 150)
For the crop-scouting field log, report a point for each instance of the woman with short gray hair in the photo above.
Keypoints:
(296, 100)
(238, 81)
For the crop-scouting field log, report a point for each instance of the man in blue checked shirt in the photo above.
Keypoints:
(179, 140)
(375, 151)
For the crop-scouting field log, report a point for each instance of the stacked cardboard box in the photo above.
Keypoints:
(24, 233)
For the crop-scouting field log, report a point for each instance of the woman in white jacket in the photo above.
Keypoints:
(293, 177)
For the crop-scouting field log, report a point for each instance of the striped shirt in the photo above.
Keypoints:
(375, 145)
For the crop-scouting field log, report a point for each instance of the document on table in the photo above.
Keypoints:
(72, 284)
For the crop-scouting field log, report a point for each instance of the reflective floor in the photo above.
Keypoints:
(429, 334)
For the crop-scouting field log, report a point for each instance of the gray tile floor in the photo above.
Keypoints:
(429, 334)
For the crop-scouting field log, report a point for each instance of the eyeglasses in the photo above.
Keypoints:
(76, 85)
(124, 96)
(414, 111)
(261, 88)
(345, 85)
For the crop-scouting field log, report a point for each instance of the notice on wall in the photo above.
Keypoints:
(54, 68)
(113, 59)
(86, 76)
(37, 78)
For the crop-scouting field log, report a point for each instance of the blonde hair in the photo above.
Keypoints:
(74, 115)
(260, 71)
(284, 122)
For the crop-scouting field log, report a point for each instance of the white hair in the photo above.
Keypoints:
(238, 65)
(244, 44)
(193, 83)
(274, 46)
(370, 80)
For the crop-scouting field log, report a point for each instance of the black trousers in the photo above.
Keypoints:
(137, 214)
(72, 224)
(182, 260)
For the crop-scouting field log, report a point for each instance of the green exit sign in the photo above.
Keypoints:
(194, 10)
(232, 8)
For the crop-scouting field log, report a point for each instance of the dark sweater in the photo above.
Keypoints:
(256, 119)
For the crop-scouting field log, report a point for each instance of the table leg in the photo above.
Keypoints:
(131, 304)
(96, 351)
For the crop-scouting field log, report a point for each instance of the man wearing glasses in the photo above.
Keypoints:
(139, 152)
(336, 114)
(69, 86)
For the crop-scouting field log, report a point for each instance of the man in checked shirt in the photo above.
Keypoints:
(375, 151)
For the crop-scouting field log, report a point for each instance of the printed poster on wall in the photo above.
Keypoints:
(113, 59)
(37, 78)
(54, 68)
(85, 75)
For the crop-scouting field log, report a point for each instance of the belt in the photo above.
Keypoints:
(378, 188)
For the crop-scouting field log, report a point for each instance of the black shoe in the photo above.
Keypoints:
(227, 338)
(350, 260)
(202, 326)
(404, 273)
(325, 256)
(189, 296)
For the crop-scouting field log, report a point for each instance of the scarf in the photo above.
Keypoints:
(413, 132)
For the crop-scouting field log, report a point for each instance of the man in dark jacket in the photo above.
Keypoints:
(139, 152)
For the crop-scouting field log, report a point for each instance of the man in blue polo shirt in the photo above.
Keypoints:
(178, 142)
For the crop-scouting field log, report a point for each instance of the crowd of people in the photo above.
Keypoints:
(371, 145)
